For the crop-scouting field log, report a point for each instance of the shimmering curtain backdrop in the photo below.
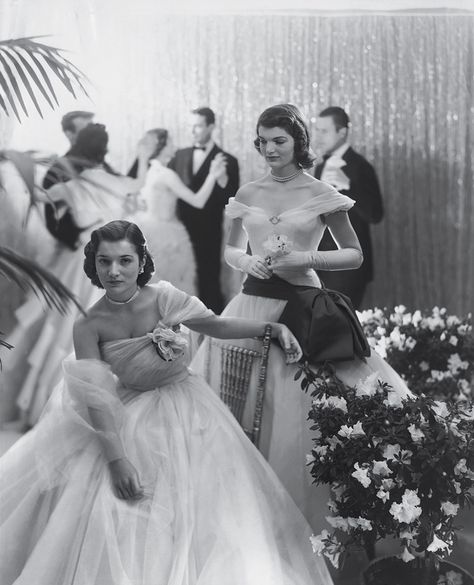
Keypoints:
(406, 79)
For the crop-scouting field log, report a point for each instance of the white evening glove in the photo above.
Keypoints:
(240, 260)
(342, 259)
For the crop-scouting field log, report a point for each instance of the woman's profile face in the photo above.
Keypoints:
(276, 146)
(117, 265)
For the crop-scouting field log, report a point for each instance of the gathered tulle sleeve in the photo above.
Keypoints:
(330, 201)
(91, 394)
(234, 209)
(84, 413)
(176, 306)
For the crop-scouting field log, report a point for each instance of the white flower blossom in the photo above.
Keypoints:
(424, 366)
(321, 450)
(394, 399)
(416, 318)
(408, 510)
(351, 432)
(442, 336)
(362, 475)
(416, 434)
(381, 468)
(463, 329)
(440, 409)
(391, 451)
(309, 458)
(317, 542)
(460, 467)
(453, 578)
(452, 320)
(464, 386)
(453, 340)
(455, 363)
(367, 387)
(333, 442)
(338, 522)
(449, 509)
(332, 505)
(457, 487)
(437, 544)
(383, 495)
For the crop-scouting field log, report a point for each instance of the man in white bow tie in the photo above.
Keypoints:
(351, 174)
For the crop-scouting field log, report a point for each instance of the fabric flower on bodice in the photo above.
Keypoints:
(275, 246)
(170, 343)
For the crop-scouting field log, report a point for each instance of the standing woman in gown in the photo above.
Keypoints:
(277, 224)
(167, 237)
(136, 472)
(42, 338)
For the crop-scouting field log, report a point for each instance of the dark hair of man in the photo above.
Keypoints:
(338, 115)
(207, 113)
(114, 231)
(288, 117)
(67, 122)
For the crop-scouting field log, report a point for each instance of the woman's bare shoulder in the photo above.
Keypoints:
(247, 192)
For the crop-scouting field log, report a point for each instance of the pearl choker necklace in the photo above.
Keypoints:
(287, 178)
(132, 298)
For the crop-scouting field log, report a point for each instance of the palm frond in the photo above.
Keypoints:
(26, 64)
(4, 343)
(29, 275)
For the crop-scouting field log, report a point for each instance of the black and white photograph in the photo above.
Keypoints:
(236, 292)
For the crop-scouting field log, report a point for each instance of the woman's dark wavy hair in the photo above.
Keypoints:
(91, 144)
(115, 231)
(288, 117)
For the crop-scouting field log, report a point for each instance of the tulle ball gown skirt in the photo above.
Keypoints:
(213, 512)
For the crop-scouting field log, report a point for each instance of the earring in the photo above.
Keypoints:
(141, 271)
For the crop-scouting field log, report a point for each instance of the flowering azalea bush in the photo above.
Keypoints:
(434, 353)
(398, 464)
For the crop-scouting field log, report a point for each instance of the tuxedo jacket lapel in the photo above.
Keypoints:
(203, 170)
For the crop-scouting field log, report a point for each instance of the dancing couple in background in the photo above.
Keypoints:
(183, 213)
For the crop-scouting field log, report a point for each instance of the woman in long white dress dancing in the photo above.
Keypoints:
(136, 473)
(167, 237)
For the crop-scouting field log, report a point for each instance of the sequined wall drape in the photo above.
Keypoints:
(406, 80)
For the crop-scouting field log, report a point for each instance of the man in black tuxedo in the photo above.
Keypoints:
(59, 220)
(205, 225)
(351, 174)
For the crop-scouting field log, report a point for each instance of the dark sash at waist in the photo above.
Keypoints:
(323, 320)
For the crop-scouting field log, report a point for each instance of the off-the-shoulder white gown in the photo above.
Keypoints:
(214, 513)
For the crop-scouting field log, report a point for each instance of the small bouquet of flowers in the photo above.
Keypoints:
(433, 352)
(398, 463)
(275, 246)
(170, 343)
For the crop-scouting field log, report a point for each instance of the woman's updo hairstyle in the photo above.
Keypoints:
(91, 145)
(288, 117)
(114, 231)
(161, 135)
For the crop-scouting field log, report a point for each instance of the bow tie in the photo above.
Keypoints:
(203, 148)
